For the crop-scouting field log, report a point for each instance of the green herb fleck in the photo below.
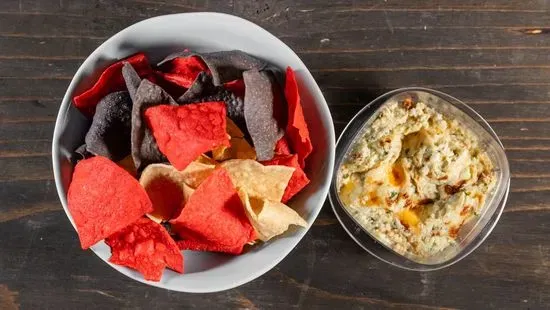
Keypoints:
(393, 194)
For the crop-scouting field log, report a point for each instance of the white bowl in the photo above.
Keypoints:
(158, 37)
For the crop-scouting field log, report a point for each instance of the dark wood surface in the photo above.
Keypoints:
(495, 55)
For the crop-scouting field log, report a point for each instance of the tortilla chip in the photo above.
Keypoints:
(296, 130)
(280, 108)
(222, 153)
(258, 113)
(173, 89)
(183, 71)
(206, 160)
(282, 147)
(167, 190)
(236, 87)
(232, 129)
(146, 247)
(201, 87)
(127, 163)
(109, 134)
(196, 172)
(239, 149)
(203, 90)
(144, 147)
(183, 133)
(225, 66)
(257, 180)
(111, 80)
(214, 216)
(269, 218)
(79, 154)
(278, 76)
(205, 246)
(103, 198)
(299, 179)
(131, 79)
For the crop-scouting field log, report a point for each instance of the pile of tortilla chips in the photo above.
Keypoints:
(199, 152)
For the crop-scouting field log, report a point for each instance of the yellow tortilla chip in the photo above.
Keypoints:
(222, 152)
(239, 149)
(232, 129)
(269, 218)
(257, 180)
(206, 160)
(196, 172)
(165, 187)
(127, 163)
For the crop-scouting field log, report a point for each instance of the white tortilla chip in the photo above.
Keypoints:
(269, 218)
(196, 172)
(257, 180)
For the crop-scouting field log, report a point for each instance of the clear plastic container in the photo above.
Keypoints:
(476, 230)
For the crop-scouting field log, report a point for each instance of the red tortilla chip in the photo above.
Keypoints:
(174, 90)
(111, 80)
(236, 87)
(183, 71)
(103, 198)
(299, 179)
(296, 130)
(214, 217)
(204, 246)
(146, 247)
(166, 196)
(282, 147)
(185, 132)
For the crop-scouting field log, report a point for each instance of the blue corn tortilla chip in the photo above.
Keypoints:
(109, 134)
(259, 113)
(131, 78)
(202, 87)
(204, 90)
(277, 75)
(225, 66)
(144, 147)
(79, 154)
(280, 110)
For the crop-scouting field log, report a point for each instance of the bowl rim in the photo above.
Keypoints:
(320, 102)
(483, 233)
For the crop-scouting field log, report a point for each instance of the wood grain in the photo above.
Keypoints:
(494, 55)
(7, 298)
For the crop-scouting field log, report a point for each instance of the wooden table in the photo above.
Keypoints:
(495, 55)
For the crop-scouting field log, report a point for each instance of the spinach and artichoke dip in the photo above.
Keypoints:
(413, 177)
